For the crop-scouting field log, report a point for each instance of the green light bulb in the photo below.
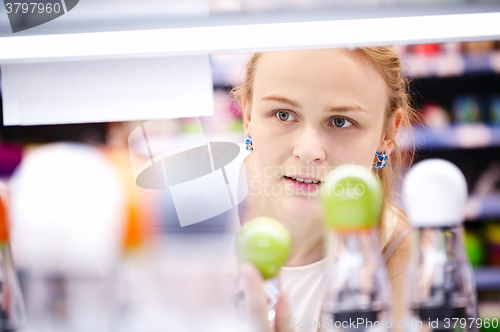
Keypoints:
(266, 243)
(352, 198)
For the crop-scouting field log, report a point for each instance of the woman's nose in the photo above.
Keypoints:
(309, 147)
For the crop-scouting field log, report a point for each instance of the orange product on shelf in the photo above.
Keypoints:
(427, 49)
(4, 222)
(139, 214)
(479, 46)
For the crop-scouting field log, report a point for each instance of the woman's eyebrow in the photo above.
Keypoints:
(333, 109)
(341, 109)
(282, 100)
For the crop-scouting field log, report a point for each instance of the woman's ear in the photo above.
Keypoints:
(391, 130)
(246, 116)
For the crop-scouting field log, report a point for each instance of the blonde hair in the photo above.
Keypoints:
(389, 65)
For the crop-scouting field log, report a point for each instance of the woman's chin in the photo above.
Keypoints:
(303, 207)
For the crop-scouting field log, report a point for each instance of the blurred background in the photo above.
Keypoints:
(455, 87)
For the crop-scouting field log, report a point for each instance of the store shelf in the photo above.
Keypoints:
(487, 278)
(248, 32)
(454, 137)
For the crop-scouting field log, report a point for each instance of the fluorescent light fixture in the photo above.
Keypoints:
(257, 37)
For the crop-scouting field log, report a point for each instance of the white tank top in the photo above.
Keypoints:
(304, 284)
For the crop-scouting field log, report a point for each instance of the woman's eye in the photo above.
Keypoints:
(342, 123)
(284, 116)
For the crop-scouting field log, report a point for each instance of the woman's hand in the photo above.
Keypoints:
(256, 302)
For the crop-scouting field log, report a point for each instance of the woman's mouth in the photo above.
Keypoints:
(302, 184)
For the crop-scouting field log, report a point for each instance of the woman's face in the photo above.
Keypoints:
(312, 111)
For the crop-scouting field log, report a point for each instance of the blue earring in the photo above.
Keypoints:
(381, 160)
(249, 143)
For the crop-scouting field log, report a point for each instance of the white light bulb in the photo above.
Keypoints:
(435, 194)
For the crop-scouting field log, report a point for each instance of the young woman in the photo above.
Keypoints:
(306, 112)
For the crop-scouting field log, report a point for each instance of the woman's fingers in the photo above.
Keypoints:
(283, 313)
(256, 302)
(255, 298)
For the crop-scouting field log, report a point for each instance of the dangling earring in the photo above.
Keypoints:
(381, 160)
(249, 143)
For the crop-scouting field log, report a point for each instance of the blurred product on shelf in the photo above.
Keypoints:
(426, 49)
(434, 115)
(479, 46)
(488, 181)
(63, 182)
(492, 236)
(12, 308)
(494, 117)
(480, 56)
(450, 62)
(451, 59)
(474, 247)
(141, 209)
(357, 285)
(68, 206)
(441, 278)
(467, 109)
(10, 157)
(483, 202)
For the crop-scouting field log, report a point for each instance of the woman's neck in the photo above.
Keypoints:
(308, 236)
